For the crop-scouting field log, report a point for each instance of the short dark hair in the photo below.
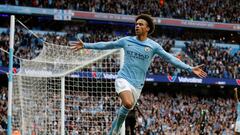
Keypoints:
(149, 20)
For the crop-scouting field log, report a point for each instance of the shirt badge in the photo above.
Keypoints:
(147, 49)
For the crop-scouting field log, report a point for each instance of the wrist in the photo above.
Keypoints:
(190, 69)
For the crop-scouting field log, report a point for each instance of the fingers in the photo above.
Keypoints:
(76, 48)
(204, 74)
(201, 74)
(76, 45)
(72, 47)
(199, 66)
(72, 43)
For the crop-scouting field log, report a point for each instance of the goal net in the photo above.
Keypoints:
(66, 92)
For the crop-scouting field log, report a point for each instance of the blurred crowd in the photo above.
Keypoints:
(3, 110)
(162, 67)
(181, 114)
(226, 11)
(26, 45)
(159, 113)
(219, 62)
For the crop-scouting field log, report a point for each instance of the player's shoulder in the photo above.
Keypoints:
(153, 43)
(126, 38)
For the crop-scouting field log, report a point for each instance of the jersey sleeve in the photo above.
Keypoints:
(173, 60)
(105, 45)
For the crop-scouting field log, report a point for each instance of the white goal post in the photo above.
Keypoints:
(65, 92)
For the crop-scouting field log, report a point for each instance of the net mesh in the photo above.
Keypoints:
(90, 99)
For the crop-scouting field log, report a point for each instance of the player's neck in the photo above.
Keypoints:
(141, 37)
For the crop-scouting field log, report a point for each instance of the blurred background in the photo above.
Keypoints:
(195, 31)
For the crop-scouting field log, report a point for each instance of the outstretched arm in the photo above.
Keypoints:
(99, 45)
(236, 94)
(178, 63)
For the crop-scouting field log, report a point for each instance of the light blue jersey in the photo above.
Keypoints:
(138, 56)
(238, 111)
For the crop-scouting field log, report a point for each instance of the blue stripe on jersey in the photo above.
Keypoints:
(238, 109)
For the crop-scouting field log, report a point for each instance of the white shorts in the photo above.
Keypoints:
(123, 85)
(237, 126)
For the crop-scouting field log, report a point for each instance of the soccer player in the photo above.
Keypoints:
(237, 125)
(138, 51)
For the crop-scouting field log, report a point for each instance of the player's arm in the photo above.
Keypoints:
(236, 94)
(178, 63)
(99, 45)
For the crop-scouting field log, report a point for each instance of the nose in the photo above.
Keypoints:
(137, 25)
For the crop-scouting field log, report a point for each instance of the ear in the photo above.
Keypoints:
(148, 29)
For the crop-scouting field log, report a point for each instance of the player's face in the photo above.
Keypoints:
(141, 27)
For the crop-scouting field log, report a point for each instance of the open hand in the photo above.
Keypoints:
(76, 46)
(199, 72)
(235, 89)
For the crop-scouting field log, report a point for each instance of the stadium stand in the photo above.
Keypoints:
(211, 10)
(162, 112)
